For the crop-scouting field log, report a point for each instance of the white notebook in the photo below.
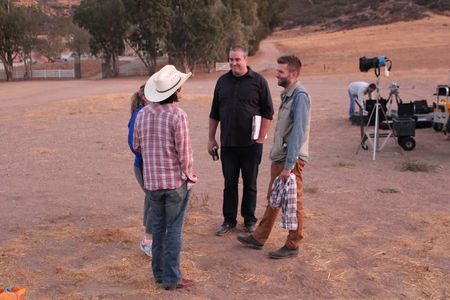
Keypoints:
(256, 127)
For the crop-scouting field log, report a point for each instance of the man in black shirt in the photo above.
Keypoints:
(239, 95)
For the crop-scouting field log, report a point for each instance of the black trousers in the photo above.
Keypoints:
(234, 161)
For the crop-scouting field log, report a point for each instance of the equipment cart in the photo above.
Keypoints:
(404, 129)
(441, 107)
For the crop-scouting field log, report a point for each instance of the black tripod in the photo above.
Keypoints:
(393, 95)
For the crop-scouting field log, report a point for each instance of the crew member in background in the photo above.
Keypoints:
(356, 92)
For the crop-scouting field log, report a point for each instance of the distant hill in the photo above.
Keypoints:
(336, 15)
(331, 15)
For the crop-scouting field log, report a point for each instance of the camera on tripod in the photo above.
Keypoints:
(365, 64)
(394, 88)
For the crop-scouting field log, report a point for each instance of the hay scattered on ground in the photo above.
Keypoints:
(416, 166)
(388, 190)
(83, 257)
(344, 164)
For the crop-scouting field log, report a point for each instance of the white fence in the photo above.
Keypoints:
(43, 74)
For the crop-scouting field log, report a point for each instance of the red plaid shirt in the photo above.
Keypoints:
(161, 134)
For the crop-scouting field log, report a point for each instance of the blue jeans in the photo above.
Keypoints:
(351, 110)
(146, 220)
(167, 215)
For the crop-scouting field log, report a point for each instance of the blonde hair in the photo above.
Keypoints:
(137, 99)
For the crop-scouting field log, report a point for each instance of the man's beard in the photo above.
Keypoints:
(283, 82)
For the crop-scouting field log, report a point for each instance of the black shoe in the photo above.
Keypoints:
(250, 241)
(283, 252)
(250, 227)
(224, 229)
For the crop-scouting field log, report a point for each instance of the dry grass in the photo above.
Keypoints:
(343, 164)
(388, 190)
(194, 221)
(190, 269)
(44, 151)
(199, 200)
(102, 256)
(87, 264)
(91, 106)
(97, 105)
(254, 278)
(310, 189)
(106, 235)
(337, 52)
(341, 264)
(415, 166)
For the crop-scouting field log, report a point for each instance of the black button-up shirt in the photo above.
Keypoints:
(236, 100)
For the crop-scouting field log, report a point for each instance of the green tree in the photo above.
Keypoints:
(270, 16)
(33, 21)
(50, 45)
(52, 30)
(259, 18)
(233, 30)
(105, 21)
(78, 40)
(11, 33)
(149, 25)
(21, 26)
(194, 34)
(248, 12)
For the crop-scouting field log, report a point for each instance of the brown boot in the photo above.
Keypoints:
(283, 252)
(250, 241)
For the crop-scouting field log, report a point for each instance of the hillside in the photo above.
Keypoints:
(345, 14)
(420, 46)
(328, 14)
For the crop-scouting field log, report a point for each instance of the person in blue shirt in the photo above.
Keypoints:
(138, 101)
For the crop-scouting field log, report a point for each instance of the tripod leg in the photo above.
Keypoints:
(363, 135)
(363, 126)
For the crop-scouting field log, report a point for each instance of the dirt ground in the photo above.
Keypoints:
(70, 208)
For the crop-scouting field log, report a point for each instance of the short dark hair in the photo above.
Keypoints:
(373, 86)
(239, 48)
(293, 62)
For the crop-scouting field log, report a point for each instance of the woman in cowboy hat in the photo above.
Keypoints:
(161, 135)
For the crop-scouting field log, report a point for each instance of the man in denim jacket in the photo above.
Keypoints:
(289, 154)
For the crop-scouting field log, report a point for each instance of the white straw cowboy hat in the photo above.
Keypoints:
(164, 83)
